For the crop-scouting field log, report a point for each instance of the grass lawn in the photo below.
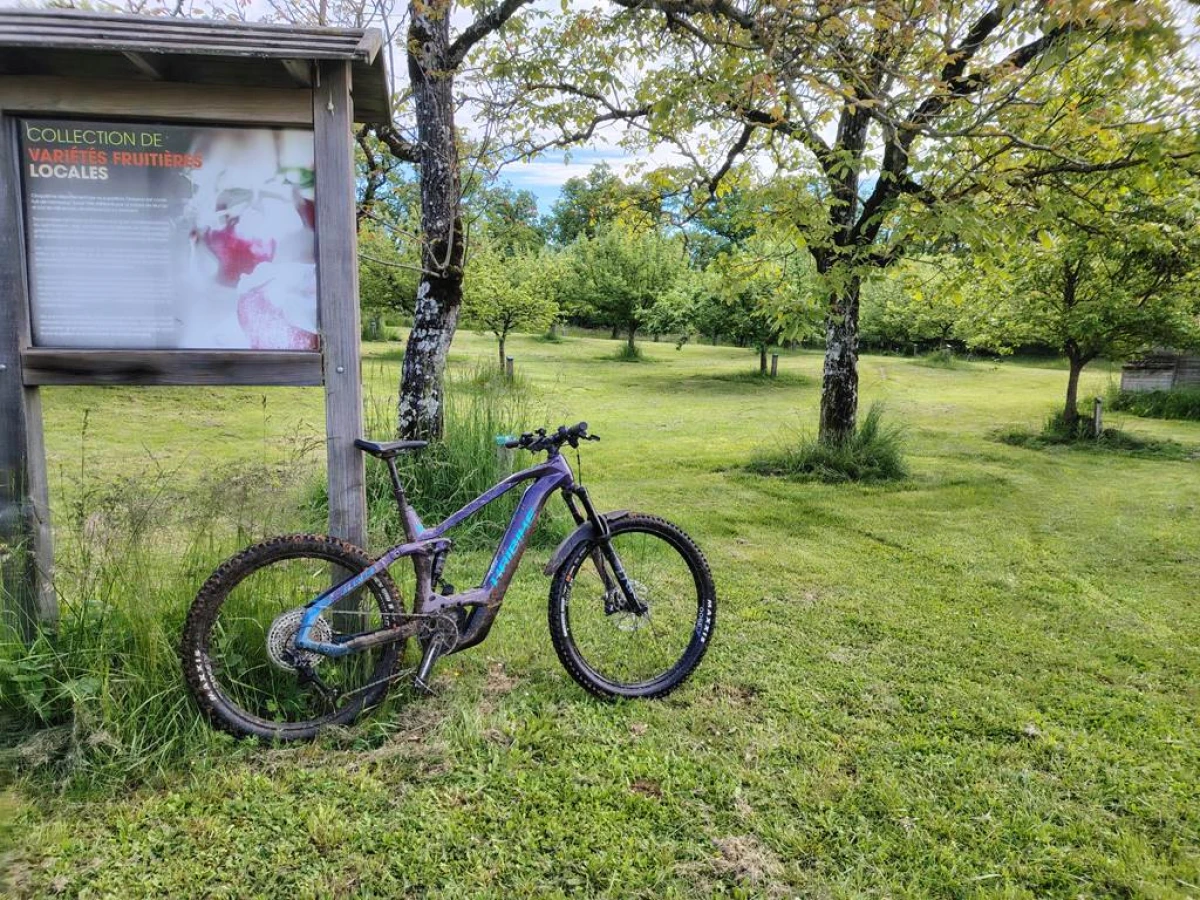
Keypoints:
(981, 682)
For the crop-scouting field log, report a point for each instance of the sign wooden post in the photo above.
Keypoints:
(121, 114)
(26, 551)
(337, 277)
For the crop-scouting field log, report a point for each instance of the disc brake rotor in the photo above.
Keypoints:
(617, 607)
(281, 640)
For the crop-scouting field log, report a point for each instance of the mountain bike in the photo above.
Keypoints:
(304, 631)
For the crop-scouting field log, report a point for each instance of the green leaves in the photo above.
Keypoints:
(504, 292)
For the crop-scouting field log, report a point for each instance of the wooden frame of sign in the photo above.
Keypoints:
(64, 64)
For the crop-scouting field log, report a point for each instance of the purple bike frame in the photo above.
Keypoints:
(421, 543)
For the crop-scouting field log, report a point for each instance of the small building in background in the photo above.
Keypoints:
(1161, 370)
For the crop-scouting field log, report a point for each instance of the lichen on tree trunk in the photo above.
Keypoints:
(439, 294)
(839, 388)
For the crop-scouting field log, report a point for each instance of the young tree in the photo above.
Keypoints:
(507, 218)
(506, 293)
(762, 296)
(1096, 266)
(903, 113)
(623, 271)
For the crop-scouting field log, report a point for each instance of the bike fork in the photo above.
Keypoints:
(605, 553)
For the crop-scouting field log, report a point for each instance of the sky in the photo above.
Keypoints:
(546, 176)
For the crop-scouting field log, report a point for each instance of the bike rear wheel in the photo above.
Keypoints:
(614, 651)
(238, 650)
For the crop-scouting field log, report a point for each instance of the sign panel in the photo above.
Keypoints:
(162, 237)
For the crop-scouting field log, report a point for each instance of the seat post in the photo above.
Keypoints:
(397, 485)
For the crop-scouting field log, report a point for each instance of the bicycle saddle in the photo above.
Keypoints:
(388, 449)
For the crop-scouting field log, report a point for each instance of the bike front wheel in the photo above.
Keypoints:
(238, 649)
(645, 647)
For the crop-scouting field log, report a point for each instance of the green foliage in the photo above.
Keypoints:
(1179, 403)
(916, 303)
(874, 453)
(1107, 268)
(587, 205)
(1101, 265)
(755, 295)
(506, 292)
(506, 218)
(622, 272)
(388, 272)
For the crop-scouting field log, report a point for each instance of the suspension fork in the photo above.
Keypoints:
(604, 551)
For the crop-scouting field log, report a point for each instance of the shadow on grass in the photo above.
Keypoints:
(729, 383)
(1111, 440)
(391, 353)
(757, 379)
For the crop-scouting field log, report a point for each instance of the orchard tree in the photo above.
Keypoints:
(914, 303)
(1095, 266)
(387, 275)
(506, 218)
(903, 114)
(622, 272)
(762, 296)
(587, 204)
(505, 293)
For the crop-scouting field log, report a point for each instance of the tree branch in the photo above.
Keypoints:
(397, 145)
(960, 85)
(479, 29)
(721, 8)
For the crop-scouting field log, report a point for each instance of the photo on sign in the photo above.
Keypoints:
(165, 237)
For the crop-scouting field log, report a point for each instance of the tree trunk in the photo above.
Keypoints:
(501, 353)
(1071, 410)
(616, 333)
(439, 293)
(632, 332)
(839, 386)
(762, 360)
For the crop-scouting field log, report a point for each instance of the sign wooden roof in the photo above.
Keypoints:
(198, 51)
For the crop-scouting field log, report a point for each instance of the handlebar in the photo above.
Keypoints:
(537, 441)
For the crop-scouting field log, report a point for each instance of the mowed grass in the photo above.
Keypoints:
(979, 682)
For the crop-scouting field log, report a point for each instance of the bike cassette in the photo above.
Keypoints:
(281, 641)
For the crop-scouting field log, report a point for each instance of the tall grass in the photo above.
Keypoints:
(628, 353)
(875, 452)
(1082, 436)
(480, 404)
(100, 699)
(100, 696)
(1180, 403)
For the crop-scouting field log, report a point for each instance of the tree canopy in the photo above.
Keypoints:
(901, 116)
